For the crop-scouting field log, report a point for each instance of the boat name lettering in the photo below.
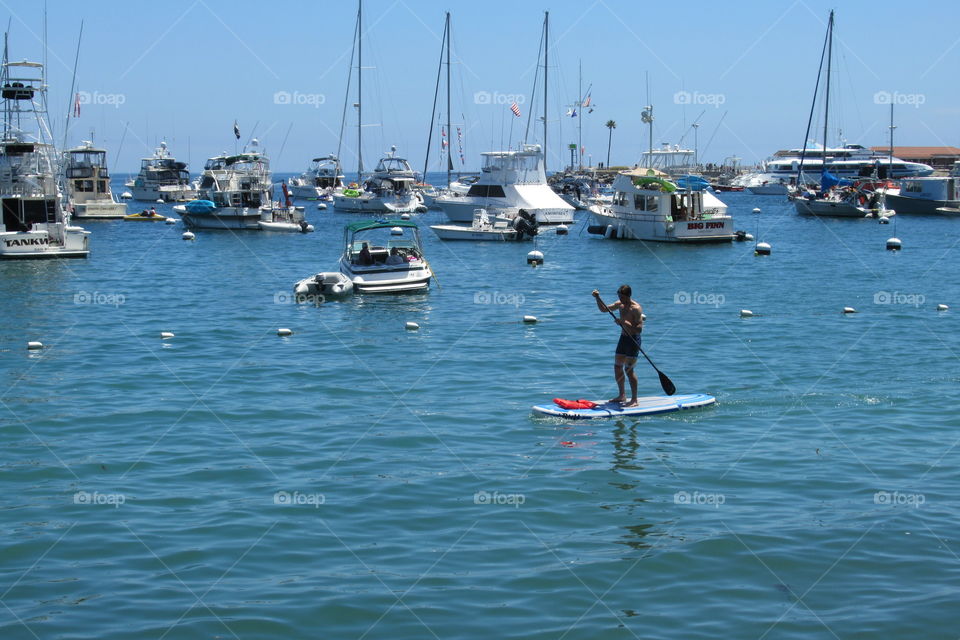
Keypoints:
(26, 242)
(704, 225)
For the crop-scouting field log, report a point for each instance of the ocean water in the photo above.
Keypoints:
(358, 480)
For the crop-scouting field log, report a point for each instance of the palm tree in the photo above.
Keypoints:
(611, 125)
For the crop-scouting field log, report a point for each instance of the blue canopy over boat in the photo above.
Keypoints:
(200, 206)
(693, 183)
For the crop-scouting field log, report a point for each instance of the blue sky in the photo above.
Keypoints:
(183, 71)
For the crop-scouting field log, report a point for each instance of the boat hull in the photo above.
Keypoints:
(919, 206)
(460, 209)
(374, 204)
(458, 232)
(836, 209)
(37, 244)
(649, 228)
(99, 210)
(165, 193)
(407, 278)
(225, 218)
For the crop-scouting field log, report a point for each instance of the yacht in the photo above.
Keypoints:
(319, 181)
(650, 207)
(88, 183)
(510, 181)
(384, 256)
(35, 223)
(162, 177)
(388, 190)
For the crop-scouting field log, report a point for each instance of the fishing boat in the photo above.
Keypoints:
(926, 195)
(234, 193)
(649, 207)
(321, 179)
(521, 227)
(162, 177)
(510, 181)
(88, 183)
(384, 256)
(34, 223)
(388, 190)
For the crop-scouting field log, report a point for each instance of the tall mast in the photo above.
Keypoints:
(359, 92)
(449, 130)
(826, 95)
(580, 116)
(546, 49)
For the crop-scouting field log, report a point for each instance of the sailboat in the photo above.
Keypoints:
(34, 223)
(837, 197)
(390, 189)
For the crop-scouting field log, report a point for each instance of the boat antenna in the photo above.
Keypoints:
(433, 111)
(813, 106)
(73, 86)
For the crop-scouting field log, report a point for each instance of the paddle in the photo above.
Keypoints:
(668, 387)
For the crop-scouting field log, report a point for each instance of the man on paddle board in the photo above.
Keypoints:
(631, 324)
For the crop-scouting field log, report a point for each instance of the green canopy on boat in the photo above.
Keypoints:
(364, 225)
(665, 185)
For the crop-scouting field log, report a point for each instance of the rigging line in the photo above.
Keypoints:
(73, 86)
(533, 93)
(813, 106)
(346, 95)
(433, 111)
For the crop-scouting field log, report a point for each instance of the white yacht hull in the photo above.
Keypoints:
(169, 193)
(40, 243)
(657, 229)
(366, 203)
(769, 190)
(224, 218)
(102, 210)
(462, 232)
(380, 278)
(461, 208)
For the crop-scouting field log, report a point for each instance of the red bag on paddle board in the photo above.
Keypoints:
(574, 404)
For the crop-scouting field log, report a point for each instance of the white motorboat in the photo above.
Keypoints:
(162, 177)
(34, 223)
(319, 287)
(384, 256)
(926, 195)
(321, 179)
(388, 190)
(653, 208)
(521, 227)
(510, 181)
(87, 182)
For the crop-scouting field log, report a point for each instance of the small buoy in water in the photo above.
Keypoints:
(746, 313)
(188, 235)
(762, 249)
(942, 307)
(322, 206)
(396, 231)
(535, 258)
(170, 221)
(562, 230)
(159, 200)
(756, 209)
(530, 319)
(166, 334)
(284, 332)
(893, 244)
(404, 216)
(33, 346)
(126, 195)
(849, 310)
(411, 326)
(883, 220)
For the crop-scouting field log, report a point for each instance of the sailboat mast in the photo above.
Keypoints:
(580, 116)
(449, 130)
(359, 92)
(826, 94)
(546, 49)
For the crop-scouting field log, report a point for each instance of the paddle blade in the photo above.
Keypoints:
(667, 384)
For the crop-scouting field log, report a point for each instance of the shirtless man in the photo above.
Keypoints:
(631, 324)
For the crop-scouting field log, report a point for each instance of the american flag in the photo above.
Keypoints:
(586, 103)
(76, 106)
(515, 109)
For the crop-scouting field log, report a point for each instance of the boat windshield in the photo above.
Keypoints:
(514, 167)
(88, 158)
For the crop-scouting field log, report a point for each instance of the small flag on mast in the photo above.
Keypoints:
(76, 106)
(236, 129)
(515, 109)
(586, 103)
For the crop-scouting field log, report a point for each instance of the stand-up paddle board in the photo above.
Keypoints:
(646, 405)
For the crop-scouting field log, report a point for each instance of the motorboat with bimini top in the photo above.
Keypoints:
(162, 177)
(34, 222)
(319, 181)
(388, 190)
(384, 256)
(650, 207)
(522, 227)
(88, 183)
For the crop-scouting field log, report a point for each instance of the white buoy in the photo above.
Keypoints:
(396, 231)
(309, 228)
(535, 258)
(411, 326)
(762, 249)
(126, 195)
(562, 230)
(746, 313)
(894, 244)
(170, 221)
(159, 200)
(942, 307)
(166, 334)
(188, 235)
(748, 237)
(883, 220)
(756, 209)
(33, 346)
(849, 310)
(322, 206)
(284, 332)
(404, 216)
(530, 319)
